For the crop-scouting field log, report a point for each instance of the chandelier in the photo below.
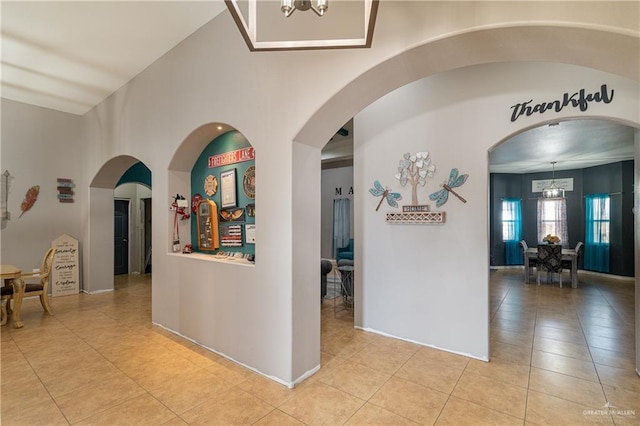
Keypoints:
(554, 190)
(290, 6)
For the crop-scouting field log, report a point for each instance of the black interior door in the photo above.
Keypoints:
(121, 237)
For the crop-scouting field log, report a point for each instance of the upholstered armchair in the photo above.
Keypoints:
(345, 252)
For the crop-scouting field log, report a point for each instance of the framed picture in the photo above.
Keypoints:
(228, 194)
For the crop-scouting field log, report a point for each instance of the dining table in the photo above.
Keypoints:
(11, 277)
(567, 254)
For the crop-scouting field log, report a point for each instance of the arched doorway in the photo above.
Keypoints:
(312, 133)
(99, 257)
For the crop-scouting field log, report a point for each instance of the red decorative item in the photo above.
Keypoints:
(29, 199)
(194, 202)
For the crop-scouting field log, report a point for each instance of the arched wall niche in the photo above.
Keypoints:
(98, 253)
(180, 171)
(192, 146)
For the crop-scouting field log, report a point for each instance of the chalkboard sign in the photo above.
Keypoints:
(65, 276)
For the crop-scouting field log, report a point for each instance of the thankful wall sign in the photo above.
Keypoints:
(580, 99)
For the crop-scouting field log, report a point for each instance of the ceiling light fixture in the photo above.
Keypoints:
(554, 190)
(290, 6)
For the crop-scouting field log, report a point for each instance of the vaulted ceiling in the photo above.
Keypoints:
(69, 56)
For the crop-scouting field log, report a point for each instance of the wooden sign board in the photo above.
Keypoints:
(65, 271)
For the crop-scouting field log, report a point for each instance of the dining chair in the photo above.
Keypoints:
(533, 262)
(7, 295)
(40, 281)
(566, 263)
(550, 260)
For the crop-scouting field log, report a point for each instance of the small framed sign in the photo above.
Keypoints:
(228, 188)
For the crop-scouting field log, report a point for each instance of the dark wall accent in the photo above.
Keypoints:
(615, 179)
(138, 173)
(224, 143)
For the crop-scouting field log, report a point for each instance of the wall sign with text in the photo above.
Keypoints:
(65, 270)
(540, 185)
(580, 99)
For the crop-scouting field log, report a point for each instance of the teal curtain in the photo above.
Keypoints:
(512, 230)
(341, 223)
(596, 244)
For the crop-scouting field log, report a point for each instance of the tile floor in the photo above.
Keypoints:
(558, 356)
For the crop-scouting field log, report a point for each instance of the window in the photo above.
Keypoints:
(552, 219)
(511, 220)
(597, 236)
(598, 219)
(512, 230)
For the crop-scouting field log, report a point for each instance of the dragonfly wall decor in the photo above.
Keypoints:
(455, 181)
(380, 191)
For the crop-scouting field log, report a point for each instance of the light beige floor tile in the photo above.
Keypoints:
(355, 379)
(269, 391)
(141, 410)
(565, 365)
(492, 393)
(619, 377)
(510, 353)
(86, 401)
(384, 359)
(624, 405)
(232, 373)
(341, 345)
(580, 391)
(278, 418)
(66, 381)
(321, 403)
(232, 407)
(433, 373)
(182, 393)
(459, 412)
(558, 347)
(612, 358)
(512, 337)
(544, 409)
(507, 372)
(413, 401)
(562, 334)
(371, 414)
(175, 421)
(44, 412)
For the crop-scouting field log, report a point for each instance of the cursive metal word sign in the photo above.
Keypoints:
(579, 99)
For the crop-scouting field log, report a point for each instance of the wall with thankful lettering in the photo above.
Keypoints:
(428, 283)
(423, 283)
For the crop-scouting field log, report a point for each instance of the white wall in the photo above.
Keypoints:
(332, 179)
(429, 283)
(38, 147)
(257, 315)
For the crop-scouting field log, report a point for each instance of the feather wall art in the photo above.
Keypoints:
(29, 199)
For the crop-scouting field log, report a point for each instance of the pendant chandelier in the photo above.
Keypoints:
(290, 6)
(554, 190)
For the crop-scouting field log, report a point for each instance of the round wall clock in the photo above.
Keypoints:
(249, 182)
(210, 185)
